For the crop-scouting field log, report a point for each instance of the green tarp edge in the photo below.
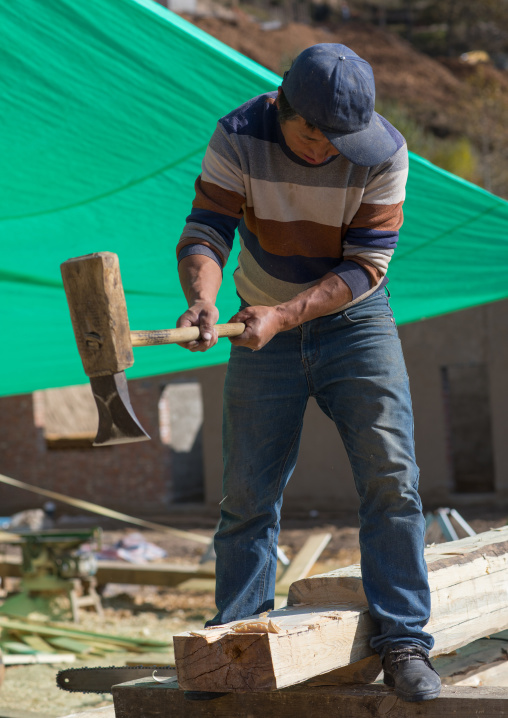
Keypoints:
(108, 110)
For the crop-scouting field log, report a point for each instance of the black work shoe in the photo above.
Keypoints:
(409, 670)
(202, 695)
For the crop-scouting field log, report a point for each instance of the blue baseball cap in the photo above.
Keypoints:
(333, 88)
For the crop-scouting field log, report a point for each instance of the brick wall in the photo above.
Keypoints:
(134, 478)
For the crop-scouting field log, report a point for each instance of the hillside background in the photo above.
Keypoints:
(441, 68)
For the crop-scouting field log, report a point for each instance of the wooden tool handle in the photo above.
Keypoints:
(181, 335)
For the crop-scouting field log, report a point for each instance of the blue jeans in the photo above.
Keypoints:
(352, 363)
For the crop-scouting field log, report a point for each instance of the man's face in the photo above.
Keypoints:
(309, 144)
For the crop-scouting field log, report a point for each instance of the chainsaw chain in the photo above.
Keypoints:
(63, 684)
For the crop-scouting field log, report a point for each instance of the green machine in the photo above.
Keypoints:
(56, 561)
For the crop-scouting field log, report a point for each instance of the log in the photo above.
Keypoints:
(327, 624)
(144, 698)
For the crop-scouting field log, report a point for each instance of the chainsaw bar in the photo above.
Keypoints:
(101, 680)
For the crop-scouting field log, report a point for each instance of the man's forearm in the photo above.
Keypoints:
(200, 278)
(327, 295)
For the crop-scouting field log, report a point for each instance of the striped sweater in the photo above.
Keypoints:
(296, 222)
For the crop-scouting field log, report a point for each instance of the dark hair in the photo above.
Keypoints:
(286, 112)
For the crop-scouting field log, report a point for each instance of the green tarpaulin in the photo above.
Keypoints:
(107, 108)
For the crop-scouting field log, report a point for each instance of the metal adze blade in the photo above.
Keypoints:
(117, 421)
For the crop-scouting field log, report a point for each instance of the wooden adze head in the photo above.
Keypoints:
(96, 299)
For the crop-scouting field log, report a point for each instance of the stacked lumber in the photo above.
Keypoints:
(481, 663)
(326, 624)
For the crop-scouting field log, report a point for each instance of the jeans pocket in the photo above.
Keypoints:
(376, 310)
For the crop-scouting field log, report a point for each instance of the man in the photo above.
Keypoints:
(314, 180)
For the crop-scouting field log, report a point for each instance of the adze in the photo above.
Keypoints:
(96, 299)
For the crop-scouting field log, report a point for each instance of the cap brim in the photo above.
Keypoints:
(368, 147)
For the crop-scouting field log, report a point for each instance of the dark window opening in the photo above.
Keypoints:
(469, 429)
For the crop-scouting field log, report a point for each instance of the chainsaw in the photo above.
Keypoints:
(101, 680)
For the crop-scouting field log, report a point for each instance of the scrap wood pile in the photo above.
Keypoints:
(326, 625)
(318, 649)
(27, 641)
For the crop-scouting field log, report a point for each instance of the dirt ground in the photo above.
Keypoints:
(435, 91)
(160, 613)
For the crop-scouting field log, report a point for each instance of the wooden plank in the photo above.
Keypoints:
(469, 584)
(471, 660)
(299, 567)
(71, 645)
(16, 647)
(474, 664)
(57, 630)
(36, 658)
(160, 574)
(303, 562)
(368, 670)
(150, 700)
(347, 582)
(203, 585)
(36, 642)
(496, 675)
(102, 510)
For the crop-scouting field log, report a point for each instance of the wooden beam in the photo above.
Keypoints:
(465, 666)
(368, 670)
(301, 565)
(328, 625)
(159, 574)
(468, 582)
(495, 675)
(481, 663)
(169, 575)
(151, 700)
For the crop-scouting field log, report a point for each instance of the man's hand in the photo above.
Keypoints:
(204, 315)
(261, 324)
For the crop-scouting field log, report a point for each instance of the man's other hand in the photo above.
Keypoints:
(261, 324)
(203, 315)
